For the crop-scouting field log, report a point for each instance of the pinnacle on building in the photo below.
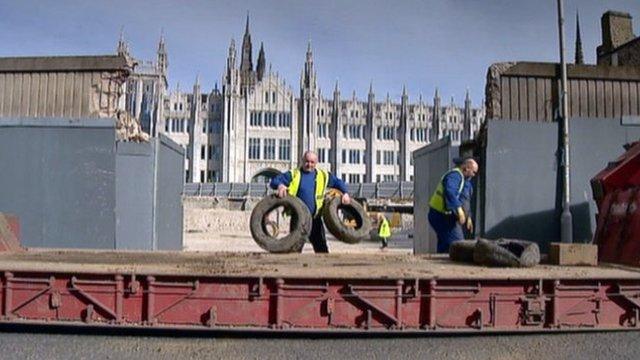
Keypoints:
(579, 56)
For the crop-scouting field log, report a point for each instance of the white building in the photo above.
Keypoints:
(255, 126)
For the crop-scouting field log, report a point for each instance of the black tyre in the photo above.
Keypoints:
(506, 253)
(462, 250)
(300, 224)
(353, 212)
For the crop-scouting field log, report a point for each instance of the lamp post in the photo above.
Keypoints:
(566, 221)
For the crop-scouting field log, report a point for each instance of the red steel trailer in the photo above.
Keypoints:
(326, 293)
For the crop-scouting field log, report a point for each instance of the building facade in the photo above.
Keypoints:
(256, 125)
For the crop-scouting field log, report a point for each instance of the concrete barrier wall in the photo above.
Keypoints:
(73, 186)
(430, 162)
(522, 191)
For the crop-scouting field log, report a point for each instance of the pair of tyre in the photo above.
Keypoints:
(498, 253)
(301, 222)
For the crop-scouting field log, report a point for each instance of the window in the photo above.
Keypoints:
(270, 119)
(205, 124)
(284, 149)
(202, 152)
(273, 97)
(388, 157)
(378, 158)
(354, 178)
(209, 176)
(266, 97)
(209, 152)
(344, 156)
(269, 149)
(254, 119)
(388, 178)
(254, 148)
(284, 119)
(322, 130)
(186, 176)
(201, 176)
(322, 155)
(354, 156)
(344, 131)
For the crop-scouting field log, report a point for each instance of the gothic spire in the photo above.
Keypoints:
(261, 63)
(309, 52)
(246, 63)
(579, 57)
(123, 48)
(163, 62)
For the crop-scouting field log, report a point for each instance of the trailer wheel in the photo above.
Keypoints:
(462, 250)
(299, 229)
(348, 223)
(506, 253)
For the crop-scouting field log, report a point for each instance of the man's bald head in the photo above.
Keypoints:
(309, 161)
(469, 168)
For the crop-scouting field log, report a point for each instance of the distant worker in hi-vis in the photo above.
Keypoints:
(446, 212)
(384, 231)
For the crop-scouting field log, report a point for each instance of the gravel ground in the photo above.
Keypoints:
(614, 345)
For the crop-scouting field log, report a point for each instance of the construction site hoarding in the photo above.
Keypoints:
(529, 91)
(73, 185)
(63, 86)
(520, 195)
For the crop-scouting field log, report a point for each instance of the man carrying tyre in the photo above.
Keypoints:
(446, 212)
(309, 184)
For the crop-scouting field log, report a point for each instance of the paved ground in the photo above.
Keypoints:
(20, 346)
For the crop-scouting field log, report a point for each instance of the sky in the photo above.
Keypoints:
(418, 44)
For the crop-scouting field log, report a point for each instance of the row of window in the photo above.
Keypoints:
(183, 126)
(353, 131)
(386, 157)
(420, 134)
(386, 133)
(270, 119)
(265, 149)
(209, 176)
(270, 95)
(324, 155)
(176, 126)
(356, 178)
(352, 156)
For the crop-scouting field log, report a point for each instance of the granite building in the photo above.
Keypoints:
(255, 124)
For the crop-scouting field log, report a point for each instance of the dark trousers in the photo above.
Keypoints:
(446, 227)
(317, 238)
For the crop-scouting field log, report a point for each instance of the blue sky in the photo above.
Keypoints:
(420, 44)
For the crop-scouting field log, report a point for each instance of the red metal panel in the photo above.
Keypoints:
(426, 305)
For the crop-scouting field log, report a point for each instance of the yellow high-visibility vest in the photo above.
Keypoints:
(322, 180)
(437, 199)
(384, 231)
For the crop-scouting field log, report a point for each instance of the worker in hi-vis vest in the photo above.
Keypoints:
(446, 212)
(384, 231)
(309, 184)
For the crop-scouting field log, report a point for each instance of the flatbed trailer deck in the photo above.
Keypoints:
(308, 292)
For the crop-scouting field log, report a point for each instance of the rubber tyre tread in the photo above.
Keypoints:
(338, 229)
(489, 253)
(506, 253)
(462, 250)
(300, 218)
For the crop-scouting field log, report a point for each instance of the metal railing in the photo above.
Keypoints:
(380, 190)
